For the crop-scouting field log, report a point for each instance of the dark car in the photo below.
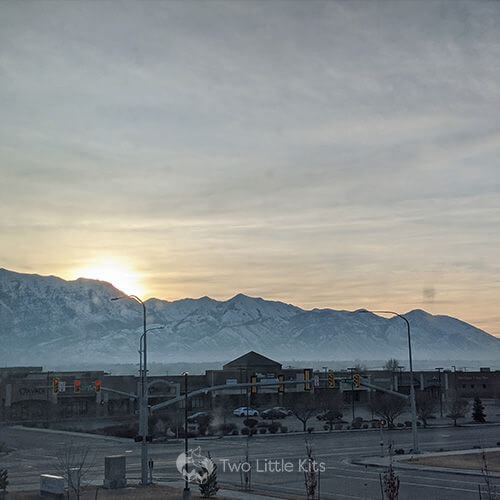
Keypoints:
(273, 414)
(329, 415)
(286, 411)
(195, 417)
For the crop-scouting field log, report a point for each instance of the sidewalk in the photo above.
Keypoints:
(399, 462)
(233, 494)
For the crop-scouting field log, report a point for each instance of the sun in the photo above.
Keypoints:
(119, 274)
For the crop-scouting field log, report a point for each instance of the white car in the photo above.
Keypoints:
(243, 411)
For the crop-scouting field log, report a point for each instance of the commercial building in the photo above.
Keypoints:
(29, 394)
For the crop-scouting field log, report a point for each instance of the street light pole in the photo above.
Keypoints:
(440, 393)
(412, 388)
(143, 400)
(141, 347)
(186, 477)
(352, 390)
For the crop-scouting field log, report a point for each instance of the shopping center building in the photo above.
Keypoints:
(30, 394)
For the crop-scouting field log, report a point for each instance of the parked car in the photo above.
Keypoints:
(243, 411)
(194, 418)
(286, 411)
(329, 415)
(273, 414)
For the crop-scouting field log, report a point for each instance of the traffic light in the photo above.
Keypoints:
(77, 386)
(98, 385)
(55, 385)
(253, 380)
(357, 380)
(307, 379)
(281, 387)
(331, 379)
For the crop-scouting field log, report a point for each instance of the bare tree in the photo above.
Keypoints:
(332, 405)
(426, 406)
(388, 407)
(457, 409)
(391, 483)
(491, 489)
(359, 367)
(74, 463)
(304, 408)
(391, 365)
(310, 472)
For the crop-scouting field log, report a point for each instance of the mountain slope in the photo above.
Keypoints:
(47, 319)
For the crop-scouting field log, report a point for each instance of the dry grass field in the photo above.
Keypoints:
(470, 461)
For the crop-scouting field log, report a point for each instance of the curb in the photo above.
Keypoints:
(323, 432)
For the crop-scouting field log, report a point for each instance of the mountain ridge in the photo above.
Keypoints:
(43, 318)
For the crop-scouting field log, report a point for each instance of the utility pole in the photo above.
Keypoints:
(352, 391)
(144, 402)
(186, 493)
(440, 393)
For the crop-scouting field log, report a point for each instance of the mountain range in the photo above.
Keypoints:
(45, 319)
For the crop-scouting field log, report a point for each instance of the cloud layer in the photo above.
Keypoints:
(340, 154)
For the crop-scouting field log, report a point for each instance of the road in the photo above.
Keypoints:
(35, 452)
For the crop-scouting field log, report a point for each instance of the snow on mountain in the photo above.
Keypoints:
(47, 319)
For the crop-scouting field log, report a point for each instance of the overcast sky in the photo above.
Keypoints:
(329, 154)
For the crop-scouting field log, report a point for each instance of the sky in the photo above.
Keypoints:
(328, 154)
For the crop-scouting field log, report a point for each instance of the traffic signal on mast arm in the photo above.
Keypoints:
(307, 379)
(281, 387)
(55, 385)
(357, 380)
(77, 385)
(253, 380)
(98, 385)
(331, 379)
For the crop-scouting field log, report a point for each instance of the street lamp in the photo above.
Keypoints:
(141, 348)
(186, 493)
(143, 400)
(352, 389)
(412, 389)
(440, 392)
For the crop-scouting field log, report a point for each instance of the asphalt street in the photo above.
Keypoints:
(35, 452)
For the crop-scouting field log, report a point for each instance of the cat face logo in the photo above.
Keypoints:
(194, 466)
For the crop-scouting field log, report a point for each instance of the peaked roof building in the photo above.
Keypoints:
(252, 361)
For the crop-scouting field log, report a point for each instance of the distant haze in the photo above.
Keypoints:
(327, 154)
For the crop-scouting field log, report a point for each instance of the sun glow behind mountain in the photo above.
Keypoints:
(120, 274)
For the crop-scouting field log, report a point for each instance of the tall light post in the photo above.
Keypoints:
(351, 370)
(412, 389)
(141, 348)
(143, 400)
(186, 493)
(440, 392)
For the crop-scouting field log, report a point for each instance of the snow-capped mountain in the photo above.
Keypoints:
(48, 319)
